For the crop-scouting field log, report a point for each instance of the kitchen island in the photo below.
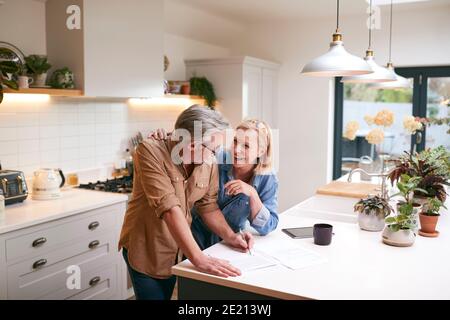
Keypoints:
(358, 265)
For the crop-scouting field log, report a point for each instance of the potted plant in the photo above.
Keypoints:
(201, 86)
(38, 67)
(372, 212)
(401, 229)
(22, 76)
(432, 166)
(7, 68)
(429, 217)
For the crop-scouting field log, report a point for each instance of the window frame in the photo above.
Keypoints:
(420, 97)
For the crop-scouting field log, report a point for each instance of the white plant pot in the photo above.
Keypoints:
(371, 221)
(401, 238)
(39, 80)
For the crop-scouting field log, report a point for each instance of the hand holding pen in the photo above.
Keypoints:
(248, 238)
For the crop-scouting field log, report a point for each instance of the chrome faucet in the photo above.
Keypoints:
(383, 176)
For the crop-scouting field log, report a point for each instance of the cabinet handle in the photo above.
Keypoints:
(39, 263)
(93, 225)
(94, 281)
(93, 244)
(39, 242)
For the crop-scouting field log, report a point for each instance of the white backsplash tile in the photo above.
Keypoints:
(8, 134)
(29, 146)
(8, 147)
(27, 119)
(73, 134)
(47, 144)
(8, 120)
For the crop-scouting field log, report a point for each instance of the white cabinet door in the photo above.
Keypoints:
(252, 92)
(118, 50)
(269, 96)
(123, 48)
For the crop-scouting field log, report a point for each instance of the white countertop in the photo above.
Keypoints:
(359, 266)
(73, 201)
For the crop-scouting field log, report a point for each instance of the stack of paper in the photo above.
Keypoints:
(290, 254)
(242, 261)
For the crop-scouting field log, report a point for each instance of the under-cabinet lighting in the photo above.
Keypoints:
(25, 97)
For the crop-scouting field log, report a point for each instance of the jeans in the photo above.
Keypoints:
(148, 288)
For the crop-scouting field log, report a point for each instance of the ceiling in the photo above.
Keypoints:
(251, 11)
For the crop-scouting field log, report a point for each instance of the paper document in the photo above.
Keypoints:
(242, 261)
(290, 254)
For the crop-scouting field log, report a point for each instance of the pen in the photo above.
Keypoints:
(243, 237)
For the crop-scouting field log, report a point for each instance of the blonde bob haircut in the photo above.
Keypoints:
(265, 143)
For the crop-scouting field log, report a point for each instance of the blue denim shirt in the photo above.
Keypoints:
(236, 209)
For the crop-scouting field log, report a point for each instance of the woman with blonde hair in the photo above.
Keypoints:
(248, 187)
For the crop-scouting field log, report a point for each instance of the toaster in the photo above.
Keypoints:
(13, 185)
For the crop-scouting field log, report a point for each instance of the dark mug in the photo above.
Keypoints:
(322, 233)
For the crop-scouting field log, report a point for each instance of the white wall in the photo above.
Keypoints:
(178, 49)
(194, 23)
(22, 23)
(305, 114)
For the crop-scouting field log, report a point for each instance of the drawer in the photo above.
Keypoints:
(101, 283)
(27, 282)
(41, 241)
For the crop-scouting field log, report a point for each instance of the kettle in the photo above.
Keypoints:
(47, 184)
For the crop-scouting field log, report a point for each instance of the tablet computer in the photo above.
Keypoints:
(299, 233)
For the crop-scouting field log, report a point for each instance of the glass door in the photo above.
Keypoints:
(428, 100)
(438, 112)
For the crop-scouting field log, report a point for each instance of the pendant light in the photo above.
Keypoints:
(337, 62)
(400, 82)
(380, 74)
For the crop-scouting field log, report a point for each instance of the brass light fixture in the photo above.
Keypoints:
(337, 62)
(380, 74)
(400, 82)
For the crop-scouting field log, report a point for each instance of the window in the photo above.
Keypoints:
(428, 97)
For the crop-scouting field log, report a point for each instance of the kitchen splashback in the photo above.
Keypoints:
(74, 134)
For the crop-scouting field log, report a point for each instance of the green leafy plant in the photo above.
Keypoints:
(37, 64)
(407, 186)
(405, 220)
(375, 204)
(202, 87)
(432, 166)
(432, 207)
(22, 69)
(7, 68)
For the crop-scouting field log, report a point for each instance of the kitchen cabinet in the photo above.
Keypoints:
(116, 49)
(36, 262)
(245, 86)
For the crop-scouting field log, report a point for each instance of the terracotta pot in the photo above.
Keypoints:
(428, 223)
(185, 89)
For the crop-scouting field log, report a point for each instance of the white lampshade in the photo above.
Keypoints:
(399, 83)
(337, 62)
(380, 74)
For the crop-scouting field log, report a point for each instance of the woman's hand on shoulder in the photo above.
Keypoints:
(158, 134)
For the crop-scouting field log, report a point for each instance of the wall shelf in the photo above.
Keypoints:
(49, 91)
(182, 96)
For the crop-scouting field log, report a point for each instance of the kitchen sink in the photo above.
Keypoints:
(326, 207)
